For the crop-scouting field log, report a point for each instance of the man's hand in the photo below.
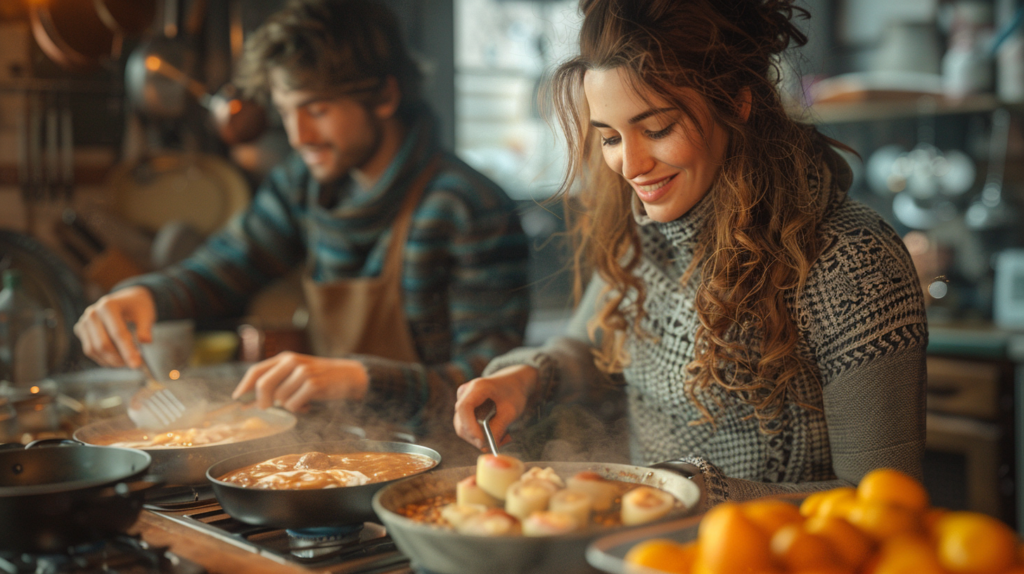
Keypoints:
(509, 388)
(293, 380)
(103, 327)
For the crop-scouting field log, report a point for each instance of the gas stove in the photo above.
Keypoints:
(122, 554)
(355, 549)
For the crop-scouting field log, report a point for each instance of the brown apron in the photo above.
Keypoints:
(365, 315)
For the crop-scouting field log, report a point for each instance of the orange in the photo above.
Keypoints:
(893, 487)
(837, 502)
(798, 549)
(824, 570)
(880, 520)
(809, 507)
(730, 543)
(970, 542)
(907, 554)
(770, 514)
(851, 545)
(931, 519)
(663, 555)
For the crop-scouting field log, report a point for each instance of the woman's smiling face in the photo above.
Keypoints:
(669, 160)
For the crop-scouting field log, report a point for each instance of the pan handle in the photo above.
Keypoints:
(54, 442)
(127, 489)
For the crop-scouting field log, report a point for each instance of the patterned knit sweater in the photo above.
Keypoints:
(862, 324)
(464, 276)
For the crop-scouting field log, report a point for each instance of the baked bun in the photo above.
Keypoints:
(524, 497)
(600, 489)
(491, 522)
(549, 523)
(644, 504)
(467, 491)
(494, 473)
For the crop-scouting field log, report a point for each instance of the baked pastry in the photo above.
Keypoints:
(491, 522)
(467, 491)
(494, 473)
(600, 489)
(549, 523)
(575, 503)
(644, 504)
(524, 497)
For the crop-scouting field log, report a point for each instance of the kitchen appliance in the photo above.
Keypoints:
(442, 551)
(326, 507)
(1008, 291)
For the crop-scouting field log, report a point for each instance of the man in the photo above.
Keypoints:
(395, 323)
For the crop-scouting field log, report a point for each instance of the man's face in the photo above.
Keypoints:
(333, 134)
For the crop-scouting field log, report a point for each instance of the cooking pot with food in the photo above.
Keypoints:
(442, 550)
(182, 456)
(56, 494)
(289, 507)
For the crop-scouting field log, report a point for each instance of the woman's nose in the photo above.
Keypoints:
(636, 159)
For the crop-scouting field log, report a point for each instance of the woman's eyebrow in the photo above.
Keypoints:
(637, 118)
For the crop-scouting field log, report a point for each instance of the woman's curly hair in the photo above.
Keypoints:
(756, 249)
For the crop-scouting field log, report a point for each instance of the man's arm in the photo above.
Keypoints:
(259, 244)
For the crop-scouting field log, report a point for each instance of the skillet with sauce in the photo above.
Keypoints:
(312, 470)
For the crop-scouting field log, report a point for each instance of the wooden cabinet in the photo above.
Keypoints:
(969, 458)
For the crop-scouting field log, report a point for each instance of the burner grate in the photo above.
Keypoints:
(123, 554)
(360, 550)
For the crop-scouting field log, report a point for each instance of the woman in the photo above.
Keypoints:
(770, 332)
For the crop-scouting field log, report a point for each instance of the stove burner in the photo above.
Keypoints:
(316, 543)
(123, 554)
(179, 498)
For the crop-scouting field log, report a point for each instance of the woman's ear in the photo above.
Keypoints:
(388, 99)
(744, 102)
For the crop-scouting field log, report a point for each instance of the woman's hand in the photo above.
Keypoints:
(103, 327)
(509, 388)
(293, 380)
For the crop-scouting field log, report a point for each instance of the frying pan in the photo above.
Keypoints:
(305, 508)
(447, 552)
(187, 465)
(58, 494)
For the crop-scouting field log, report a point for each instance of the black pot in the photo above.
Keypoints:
(58, 494)
(305, 508)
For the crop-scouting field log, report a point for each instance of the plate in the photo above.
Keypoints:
(200, 189)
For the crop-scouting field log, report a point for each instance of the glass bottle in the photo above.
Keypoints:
(22, 334)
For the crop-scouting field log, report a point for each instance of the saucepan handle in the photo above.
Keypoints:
(53, 442)
(126, 489)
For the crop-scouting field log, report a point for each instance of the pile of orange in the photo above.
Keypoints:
(884, 526)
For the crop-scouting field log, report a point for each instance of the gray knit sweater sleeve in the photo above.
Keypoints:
(863, 318)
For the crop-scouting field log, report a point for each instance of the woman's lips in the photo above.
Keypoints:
(652, 192)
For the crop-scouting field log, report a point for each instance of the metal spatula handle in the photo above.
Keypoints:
(484, 412)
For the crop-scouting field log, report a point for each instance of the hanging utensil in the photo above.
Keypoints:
(989, 211)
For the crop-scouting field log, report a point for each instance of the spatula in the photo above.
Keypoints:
(157, 407)
(484, 412)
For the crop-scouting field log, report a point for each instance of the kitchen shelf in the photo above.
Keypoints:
(881, 109)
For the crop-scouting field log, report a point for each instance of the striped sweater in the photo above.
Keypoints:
(464, 276)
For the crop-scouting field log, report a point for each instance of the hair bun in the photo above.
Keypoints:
(768, 22)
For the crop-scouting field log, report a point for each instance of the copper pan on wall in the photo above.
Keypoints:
(80, 34)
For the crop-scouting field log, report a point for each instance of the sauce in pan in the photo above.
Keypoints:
(314, 470)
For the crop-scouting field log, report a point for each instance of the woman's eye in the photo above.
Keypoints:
(660, 133)
(609, 141)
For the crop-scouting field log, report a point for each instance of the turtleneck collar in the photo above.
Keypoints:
(680, 230)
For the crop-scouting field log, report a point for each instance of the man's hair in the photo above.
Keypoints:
(343, 46)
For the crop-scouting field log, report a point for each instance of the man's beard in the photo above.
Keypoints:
(355, 156)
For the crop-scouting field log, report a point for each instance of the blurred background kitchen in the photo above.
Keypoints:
(122, 147)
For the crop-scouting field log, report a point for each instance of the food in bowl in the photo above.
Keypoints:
(537, 502)
(210, 432)
(317, 470)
